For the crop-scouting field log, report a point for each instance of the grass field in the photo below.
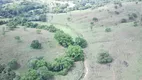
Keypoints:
(123, 43)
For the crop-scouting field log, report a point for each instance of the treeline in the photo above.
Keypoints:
(24, 9)
(39, 69)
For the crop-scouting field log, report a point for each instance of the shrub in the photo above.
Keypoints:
(123, 20)
(11, 25)
(75, 52)
(104, 58)
(18, 38)
(81, 42)
(95, 19)
(69, 19)
(35, 44)
(63, 39)
(132, 16)
(108, 30)
(13, 64)
(41, 27)
(92, 23)
(116, 12)
(135, 24)
(51, 28)
(115, 7)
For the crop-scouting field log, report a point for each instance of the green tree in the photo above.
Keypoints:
(13, 64)
(35, 44)
(75, 52)
(44, 73)
(30, 75)
(62, 63)
(63, 39)
(81, 42)
(104, 58)
(95, 19)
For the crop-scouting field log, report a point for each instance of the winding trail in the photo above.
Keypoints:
(86, 70)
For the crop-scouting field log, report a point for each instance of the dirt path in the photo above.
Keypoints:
(86, 70)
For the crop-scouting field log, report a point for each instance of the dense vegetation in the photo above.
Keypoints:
(63, 38)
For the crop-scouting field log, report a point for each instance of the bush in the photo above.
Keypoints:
(123, 20)
(81, 42)
(95, 19)
(135, 24)
(108, 30)
(51, 28)
(35, 44)
(18, 38)
(63, 39)
(104, 58)
(11, 25)
(75, 52)
(116, 12)
(13, 64)
(116, 7)
(132, 16)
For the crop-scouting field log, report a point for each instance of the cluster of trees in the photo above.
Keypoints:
(36, 44)
(27, 9)
(2, 22)
(6, 71)
(60, 8)
(65, 40)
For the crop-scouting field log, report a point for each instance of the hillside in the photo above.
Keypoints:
(113, 28)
